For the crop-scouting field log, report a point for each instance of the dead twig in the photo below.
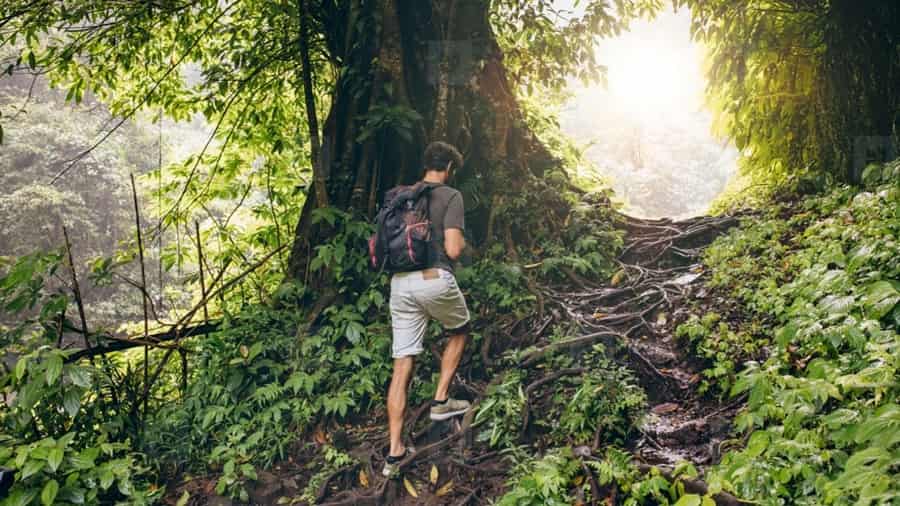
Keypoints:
(76, 289)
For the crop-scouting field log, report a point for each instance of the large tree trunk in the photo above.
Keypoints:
(441, 60)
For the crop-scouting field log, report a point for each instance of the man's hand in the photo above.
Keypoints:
(454, 243)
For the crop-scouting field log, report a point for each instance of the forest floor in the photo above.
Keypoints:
(634, 316)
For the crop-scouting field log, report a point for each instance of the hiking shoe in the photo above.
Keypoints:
(448, 409)
(392, 464)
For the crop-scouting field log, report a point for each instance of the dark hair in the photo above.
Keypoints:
(439, 154)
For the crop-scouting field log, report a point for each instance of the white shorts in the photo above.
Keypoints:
(417, 297)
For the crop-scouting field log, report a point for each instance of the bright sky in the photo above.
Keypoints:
(649, 131)
(654, 69)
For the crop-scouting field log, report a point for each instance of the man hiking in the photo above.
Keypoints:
(431, 293)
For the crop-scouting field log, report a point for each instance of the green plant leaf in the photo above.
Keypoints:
(106, 477)
(54, 368)
(79, 376)
(32, 467)
(72, 402)
(21, 497)
(689, 500)
(21, 368)
(837, 305)
(55, 458)
(48, 495)
(880, 298)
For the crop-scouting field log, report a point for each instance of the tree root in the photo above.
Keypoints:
(577, 342)
(659, 252)
(526, 410)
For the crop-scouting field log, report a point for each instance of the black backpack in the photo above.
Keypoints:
(402, 239)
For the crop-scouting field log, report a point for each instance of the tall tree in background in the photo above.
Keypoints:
(805, 84)
(393, 75)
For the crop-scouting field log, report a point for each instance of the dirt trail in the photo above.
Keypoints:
(664, 274)
(639, 308)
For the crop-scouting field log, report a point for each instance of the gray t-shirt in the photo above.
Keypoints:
(445, 209)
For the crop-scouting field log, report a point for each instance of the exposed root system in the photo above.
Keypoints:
(634, 316)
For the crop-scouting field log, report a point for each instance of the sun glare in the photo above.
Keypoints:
(647, 131)
(654, 69)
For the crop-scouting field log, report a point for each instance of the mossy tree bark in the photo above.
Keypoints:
(412, 72)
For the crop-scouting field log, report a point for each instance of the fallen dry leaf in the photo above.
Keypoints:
(661, 319)
(445, 489)
(410, 488)
(434, 474)
(363, 478)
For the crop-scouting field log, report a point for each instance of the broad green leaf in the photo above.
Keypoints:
(72, 401)
(689, 500)
(54, 458)
(21, 368)
(31, 467)
(54, 368)
(836, 305)
(880, 298)
(106, 477)
(48, 495)
(255, 350)
(21, 497)
(85, 459)
(79, 376)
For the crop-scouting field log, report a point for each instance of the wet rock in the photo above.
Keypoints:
(290, 486)
(685, 279)
(266, 489)
(581, 451)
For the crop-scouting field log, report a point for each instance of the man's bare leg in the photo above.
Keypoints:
(449, 361)
(396, 403)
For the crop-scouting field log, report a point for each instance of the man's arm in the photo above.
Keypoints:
(454, 242)
(454, 225)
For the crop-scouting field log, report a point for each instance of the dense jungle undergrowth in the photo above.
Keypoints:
(761, 368)
(748, 357)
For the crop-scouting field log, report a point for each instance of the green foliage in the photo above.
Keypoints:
(333, 459)
(802, 87)
(396, 119)
(44, 135)
(544, 481)
(559, 477)
(268, 376)
(725, 347)
(64, 438)
(607, 400)
(257, 385)
(65, 471)
(821, 414)
(542, 44)
(574, 235)
(500, 414)
(67, 428)
(495, 286)
(23, 291)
